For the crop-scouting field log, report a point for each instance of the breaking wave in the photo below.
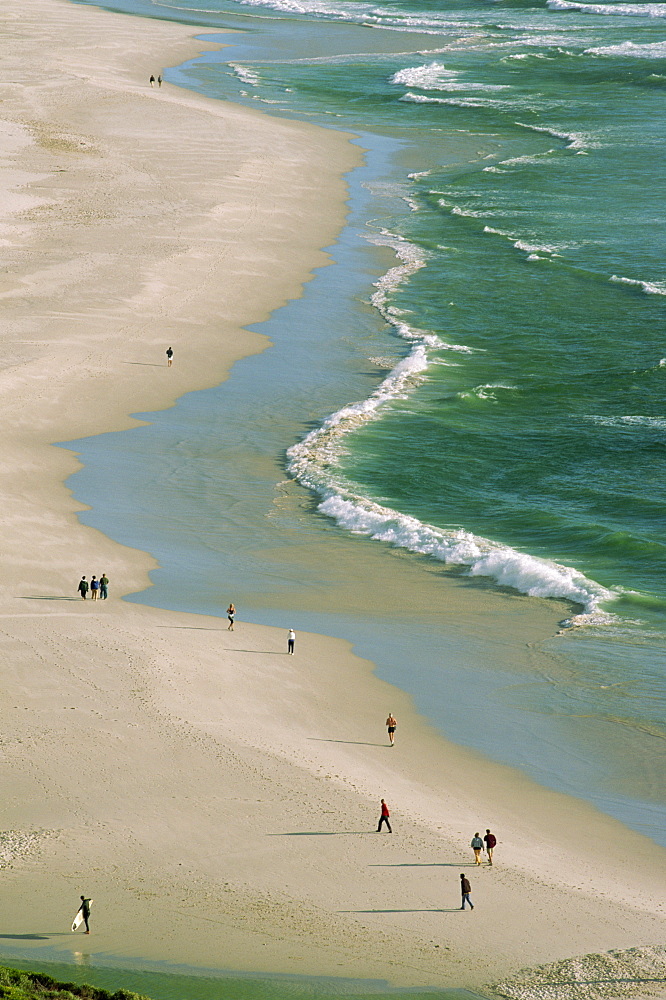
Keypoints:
(315, 463)
(649, 287)
(574, 140)
(626, 9)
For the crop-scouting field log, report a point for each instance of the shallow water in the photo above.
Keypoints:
(477, 380)
(159, 981)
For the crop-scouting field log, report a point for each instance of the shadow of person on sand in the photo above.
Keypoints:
(356, 743)
(321, 833)
(455, 909)
(429, 864)
(196, 628)
(48, 597)
(28, 937)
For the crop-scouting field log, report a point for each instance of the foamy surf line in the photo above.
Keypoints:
(314, 462)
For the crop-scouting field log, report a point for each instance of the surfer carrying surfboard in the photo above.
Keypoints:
(83, 913)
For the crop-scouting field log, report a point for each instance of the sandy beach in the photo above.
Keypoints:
(224, 794)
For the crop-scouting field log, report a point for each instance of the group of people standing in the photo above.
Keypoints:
(98, 587)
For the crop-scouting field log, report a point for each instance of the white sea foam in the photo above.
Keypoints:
(521, 56)
(556, 50)
(470, 213)
(533, 248)
(422, 99)
(649, 287)
(461, 348)
(529, 247)
(626, 9)
(507, 566)
(456, 103)
(651, 50)
(485, 391)
(313, 460)
(629, 420)
(535, 158)
(366, 14)
(245, 75)
(427, 77)
(382, 362)
(411, 258)
(498, 232)
(435, 76)
(574, 140)
(589, 620)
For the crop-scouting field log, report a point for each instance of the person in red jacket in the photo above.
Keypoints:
(490, 841)
(384, 818)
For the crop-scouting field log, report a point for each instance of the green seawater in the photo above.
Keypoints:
(177, 983)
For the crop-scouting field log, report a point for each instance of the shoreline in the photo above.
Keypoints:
(169, 720)
(188, 208)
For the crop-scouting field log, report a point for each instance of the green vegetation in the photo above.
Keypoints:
(17, 985)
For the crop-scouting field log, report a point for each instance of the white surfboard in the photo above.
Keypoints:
(78, 919)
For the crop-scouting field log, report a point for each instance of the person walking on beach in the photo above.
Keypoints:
(477, 847)
(169, 354)
(465, 889)
(384, 818)
(391, 723)
(104, 586)
(231, 615)
(84, 910)
(159, 81)
(291, 639)
(94, 588)
(83, 588)
(152, 80)
(490, 841)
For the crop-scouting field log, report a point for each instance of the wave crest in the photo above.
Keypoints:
(314, 462)
(649, 287)
(626, 9)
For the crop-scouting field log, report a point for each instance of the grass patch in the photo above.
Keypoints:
(17, 985)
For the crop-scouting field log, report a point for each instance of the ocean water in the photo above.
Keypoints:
(162, 981)
(477, 383)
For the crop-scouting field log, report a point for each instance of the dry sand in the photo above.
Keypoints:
(221, 793)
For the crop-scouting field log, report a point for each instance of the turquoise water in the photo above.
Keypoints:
(160, 981)
(479, 379)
